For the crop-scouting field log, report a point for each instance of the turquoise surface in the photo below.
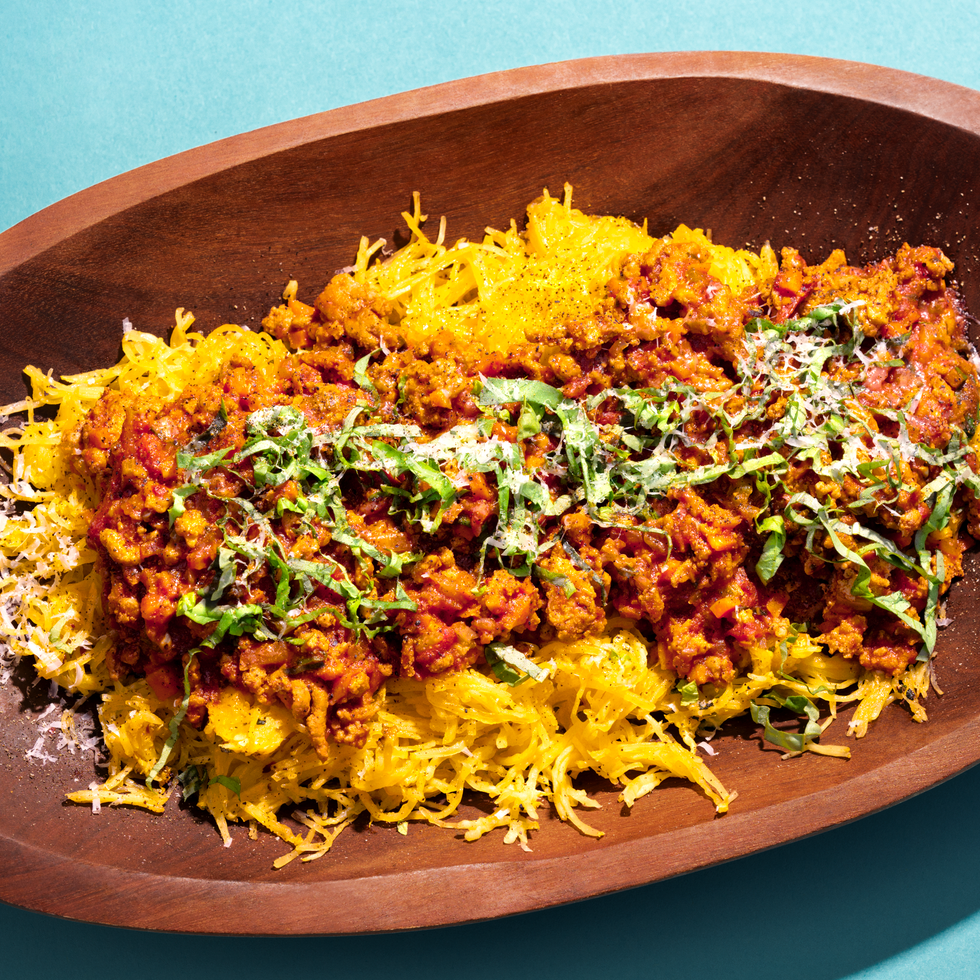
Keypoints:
(88, 90)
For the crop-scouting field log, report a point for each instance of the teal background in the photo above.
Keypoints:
(89, 90)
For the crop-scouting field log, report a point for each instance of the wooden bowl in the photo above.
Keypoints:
(809, 152)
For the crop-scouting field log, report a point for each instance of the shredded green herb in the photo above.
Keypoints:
(511, 666)
(613, 471)
(791, 741)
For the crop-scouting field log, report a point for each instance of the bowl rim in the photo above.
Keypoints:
(942, 101)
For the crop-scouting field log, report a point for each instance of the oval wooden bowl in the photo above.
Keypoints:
(756, 147)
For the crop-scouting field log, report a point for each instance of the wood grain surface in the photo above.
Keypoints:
(792, 150)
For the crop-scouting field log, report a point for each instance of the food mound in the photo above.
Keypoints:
(489, 516)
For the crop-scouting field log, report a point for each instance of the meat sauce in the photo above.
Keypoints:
(227, 562)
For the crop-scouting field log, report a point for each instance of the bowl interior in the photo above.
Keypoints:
(779, 150)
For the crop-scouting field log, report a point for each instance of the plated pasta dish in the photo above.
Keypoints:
(473, 520)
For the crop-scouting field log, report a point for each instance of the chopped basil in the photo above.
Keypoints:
(612, 471)
(231, 783)
(688, 691)
(175, 721)
(192, 780)
(180, 501)
(511, 666)
(791, 741)
(360, 375)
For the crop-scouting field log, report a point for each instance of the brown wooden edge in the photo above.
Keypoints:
(944, 101)
(36, 879)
